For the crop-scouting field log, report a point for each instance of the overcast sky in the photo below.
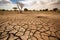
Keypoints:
(31, 4)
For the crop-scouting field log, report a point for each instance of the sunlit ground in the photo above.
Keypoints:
(29, 25)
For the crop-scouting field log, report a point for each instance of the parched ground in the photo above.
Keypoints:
(30, 26)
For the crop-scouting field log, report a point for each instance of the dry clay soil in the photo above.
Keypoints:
(30, 27)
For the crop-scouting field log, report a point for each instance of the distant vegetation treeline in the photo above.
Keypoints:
(25, 9)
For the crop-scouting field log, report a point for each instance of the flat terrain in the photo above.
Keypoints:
(30, 26)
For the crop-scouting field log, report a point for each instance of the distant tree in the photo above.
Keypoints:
(40, 10)
(15, 8)
(25, 9)
(51, 10)
(55, 9)
(7, 10)
(43, 10)
(11, 10)
(33, 9)
(0, 9)
(3, 10)
(46, 9)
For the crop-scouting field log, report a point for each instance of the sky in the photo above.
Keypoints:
(30, 4)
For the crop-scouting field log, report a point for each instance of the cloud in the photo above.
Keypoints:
(56, 2)
(5, 2)
(42, 4)
(50, 2)
(32, 4)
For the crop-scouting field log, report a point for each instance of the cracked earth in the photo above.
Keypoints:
(29, 27)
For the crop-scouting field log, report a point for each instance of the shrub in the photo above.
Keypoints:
(15, 8)
(33, 9)
(3, 9)
(40, 10)
(43, 10)
(55, 9)
(46, 9)
(25, 9)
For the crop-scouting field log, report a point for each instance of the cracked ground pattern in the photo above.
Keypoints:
(28, 27)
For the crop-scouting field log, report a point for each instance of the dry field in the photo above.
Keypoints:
(29, 26)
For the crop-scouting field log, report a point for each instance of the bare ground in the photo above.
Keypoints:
(30, 26)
